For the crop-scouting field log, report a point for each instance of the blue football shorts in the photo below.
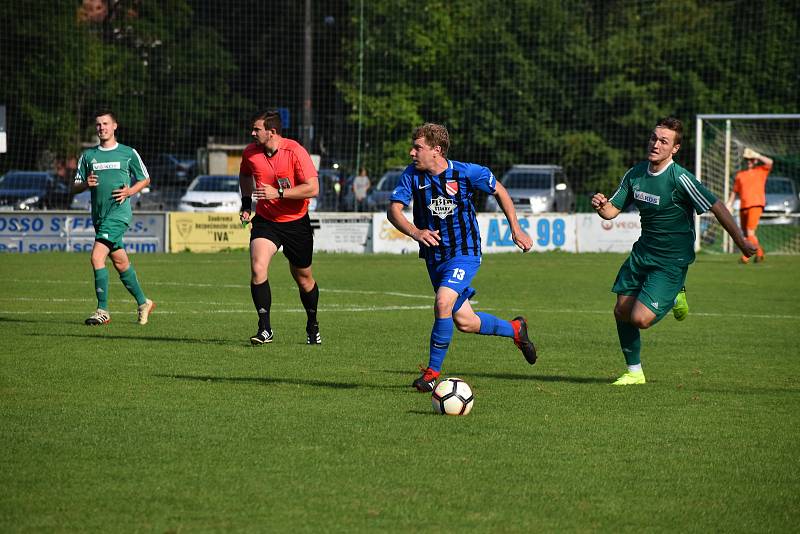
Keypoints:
(457, 274)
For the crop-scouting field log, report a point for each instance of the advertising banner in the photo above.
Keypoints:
(32, 231)
(599, 235)
(206, 232)
(341, 232)
(549, 232)
(387, 238)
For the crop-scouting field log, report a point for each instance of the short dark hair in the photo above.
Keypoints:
(271, 118)
(434, 134)
(671, 123)
(99, 112)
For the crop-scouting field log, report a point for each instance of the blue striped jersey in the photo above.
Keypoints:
(667, 202)
(444, 203)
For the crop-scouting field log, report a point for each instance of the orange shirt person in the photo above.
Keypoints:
(278, 174)
(750, 186)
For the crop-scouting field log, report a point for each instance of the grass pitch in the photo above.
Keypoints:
(182, 426)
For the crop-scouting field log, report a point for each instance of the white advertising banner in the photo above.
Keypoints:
(595, 234)
(387, 238)
(341, 232)
(51, 231)
(549, 232)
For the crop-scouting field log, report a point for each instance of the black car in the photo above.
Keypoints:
(28, 190)
(171, 170)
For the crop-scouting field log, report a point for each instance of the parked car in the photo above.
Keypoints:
(330, 190)
(536, 189)
(379, 196)
(145, 200)
(169, 169)
(212, 192)
(27, 190)
(782, 199)
(782, 195)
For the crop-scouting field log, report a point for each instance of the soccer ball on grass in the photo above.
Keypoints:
(452, 396)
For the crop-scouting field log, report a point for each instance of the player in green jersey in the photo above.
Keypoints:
(108, 170)
(652, 279)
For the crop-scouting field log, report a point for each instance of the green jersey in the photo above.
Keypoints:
(114, 168)
(666, 202)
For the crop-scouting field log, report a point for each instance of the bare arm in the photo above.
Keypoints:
(429, 238)
(298, 192)
(731, 198)
(521, 239)
(79, 187)
(726, 220)
(127, 191)
(603, 207)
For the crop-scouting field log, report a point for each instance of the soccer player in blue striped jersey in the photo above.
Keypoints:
(446, 229)
(651, 280)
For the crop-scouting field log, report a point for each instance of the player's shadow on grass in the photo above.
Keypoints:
(265, 381)
(518, 376)
(101, 335)
(10, 320)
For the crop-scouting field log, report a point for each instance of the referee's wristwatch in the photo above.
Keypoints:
(280, 192)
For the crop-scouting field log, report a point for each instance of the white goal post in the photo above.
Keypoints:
(715, 165)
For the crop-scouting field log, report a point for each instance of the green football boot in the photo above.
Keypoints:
(681, 308)
(630, 378)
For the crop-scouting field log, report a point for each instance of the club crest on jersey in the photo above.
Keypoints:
(647, 197)
(442, 206)
(451, 187)
(105, 166)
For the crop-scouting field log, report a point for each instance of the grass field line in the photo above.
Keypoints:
(233, 286)
(160, 311)
(354, 309)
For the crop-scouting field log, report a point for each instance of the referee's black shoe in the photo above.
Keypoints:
(312, 334)
(262, 337)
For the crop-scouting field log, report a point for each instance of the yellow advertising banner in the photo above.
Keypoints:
(206, 232)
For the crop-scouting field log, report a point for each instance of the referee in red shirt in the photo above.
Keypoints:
(278, 174)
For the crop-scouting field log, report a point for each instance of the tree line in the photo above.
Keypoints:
(578, 83)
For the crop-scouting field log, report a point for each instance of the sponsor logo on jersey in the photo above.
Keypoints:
(647, 197)
(451, 187)
(105, 166)
(426, 186)
(442, 206)
(655, 304)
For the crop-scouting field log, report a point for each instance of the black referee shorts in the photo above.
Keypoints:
(296, 238)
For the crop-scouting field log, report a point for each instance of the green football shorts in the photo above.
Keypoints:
(654, 283)
(110, 232)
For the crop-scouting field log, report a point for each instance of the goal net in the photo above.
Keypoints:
(722, 140)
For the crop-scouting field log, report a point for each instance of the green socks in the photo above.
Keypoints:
(101, 287)
(630, 342)
(131, 283)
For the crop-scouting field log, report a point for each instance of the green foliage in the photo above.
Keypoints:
(531, 75)
(149, 57)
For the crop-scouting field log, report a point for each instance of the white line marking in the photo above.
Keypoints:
(239, 286)
(161, 311)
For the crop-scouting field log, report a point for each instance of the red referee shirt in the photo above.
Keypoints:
(290, 165)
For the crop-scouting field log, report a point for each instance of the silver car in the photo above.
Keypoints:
(782, 196)
(212, 192)
(536, 189)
